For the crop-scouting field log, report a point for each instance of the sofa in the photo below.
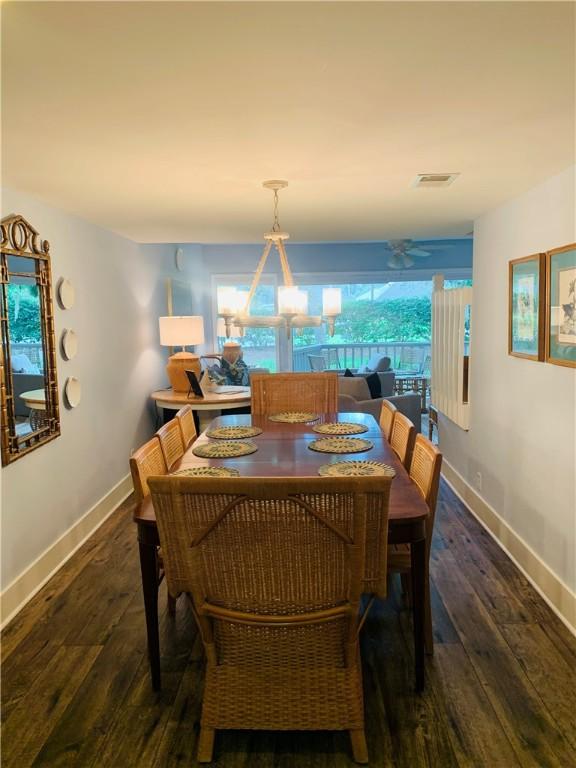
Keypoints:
(354, 397)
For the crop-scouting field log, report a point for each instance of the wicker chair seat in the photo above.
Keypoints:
(278, 699)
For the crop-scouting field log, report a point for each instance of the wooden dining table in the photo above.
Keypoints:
(283, 450)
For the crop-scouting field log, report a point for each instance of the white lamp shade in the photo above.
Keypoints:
(241, 299)
(180, 331)
(331, 301)
(227, 300)
(231, 301)
(291, 300)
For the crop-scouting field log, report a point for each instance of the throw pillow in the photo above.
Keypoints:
(373, 381)
(348, 373)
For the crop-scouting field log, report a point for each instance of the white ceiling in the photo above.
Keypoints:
(160, 120)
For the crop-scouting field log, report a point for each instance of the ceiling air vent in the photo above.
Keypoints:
(434, 179)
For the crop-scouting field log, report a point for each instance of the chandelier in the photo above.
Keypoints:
(234, 304)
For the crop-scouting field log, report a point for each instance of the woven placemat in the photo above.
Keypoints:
(236, 432)
(340, 428)
(224, 449)
(208, 472)
(356, 469)
(340, 445)
(294, 417)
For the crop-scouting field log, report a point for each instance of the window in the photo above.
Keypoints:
(392, 319)
(259, 345)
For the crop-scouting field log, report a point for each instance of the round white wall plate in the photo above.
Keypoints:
(66, 294)
(69, 344)
(73, 391)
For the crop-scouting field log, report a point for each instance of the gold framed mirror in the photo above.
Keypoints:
(28, 378)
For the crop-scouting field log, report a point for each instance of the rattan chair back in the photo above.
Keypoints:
(148, 460)
(425, 471)
(185, 418)
(310, 392)
(402, 438)
(274, 567)
(171, 442)
(387, 413)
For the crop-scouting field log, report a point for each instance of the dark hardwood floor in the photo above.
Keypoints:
(500, 692)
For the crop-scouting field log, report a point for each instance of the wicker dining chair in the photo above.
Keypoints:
(185, 419)
(425, 472)
(171, 442)
(387, 414)
(310, 392)
(402, 438)
(148, 460)
(145, 462)
(274, 569)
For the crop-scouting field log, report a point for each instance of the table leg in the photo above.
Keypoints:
(148, 568)
(418, 560)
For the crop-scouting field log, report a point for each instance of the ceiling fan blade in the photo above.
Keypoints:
(435, 247)
(408, 261)
(419, 252)
(394, 262)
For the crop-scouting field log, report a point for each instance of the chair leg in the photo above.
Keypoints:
(171, 605)
(359, 747)
(428, 634)
(406, 581)
(206, 744)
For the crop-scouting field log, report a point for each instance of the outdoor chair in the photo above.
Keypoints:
(317, 363)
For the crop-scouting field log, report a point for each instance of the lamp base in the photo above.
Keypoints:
(176, 369)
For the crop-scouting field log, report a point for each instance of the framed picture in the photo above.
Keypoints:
(526, 280)
(561, 306)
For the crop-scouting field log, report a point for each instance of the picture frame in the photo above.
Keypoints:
(560, 347)
(527, 307)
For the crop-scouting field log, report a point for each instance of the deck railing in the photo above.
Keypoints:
(403, 354)
(33, 351)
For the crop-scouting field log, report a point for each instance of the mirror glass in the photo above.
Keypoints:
(28, 382)
(179, 298)
(26, 353)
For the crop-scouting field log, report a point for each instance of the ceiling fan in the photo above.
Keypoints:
(404, 253)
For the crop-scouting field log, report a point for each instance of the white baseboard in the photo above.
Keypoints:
(552, 589)
(33, 578)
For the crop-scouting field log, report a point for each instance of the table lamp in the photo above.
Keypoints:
(179, 332)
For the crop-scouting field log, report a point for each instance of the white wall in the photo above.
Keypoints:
(120, 292)
(522, 433)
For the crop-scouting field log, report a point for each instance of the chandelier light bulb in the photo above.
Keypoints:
(331, 301)
(227, 300)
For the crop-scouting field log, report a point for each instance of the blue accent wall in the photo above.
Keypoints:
(337, 257)
(363, 262)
